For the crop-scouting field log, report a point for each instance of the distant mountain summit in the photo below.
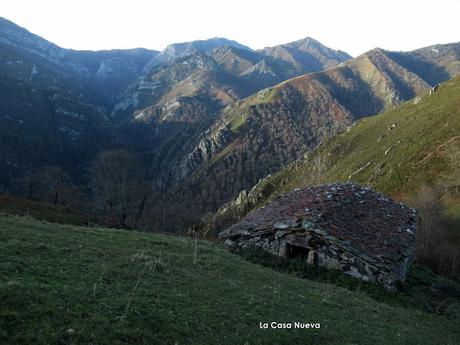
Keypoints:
(306, 55)
(227, 71)
(179, 50)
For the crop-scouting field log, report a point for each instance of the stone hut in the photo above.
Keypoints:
(337, 226)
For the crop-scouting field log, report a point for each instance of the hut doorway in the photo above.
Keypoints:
(294, 251)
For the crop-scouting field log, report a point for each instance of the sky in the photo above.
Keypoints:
(354, 26)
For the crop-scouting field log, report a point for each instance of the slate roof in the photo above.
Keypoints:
(358, 217)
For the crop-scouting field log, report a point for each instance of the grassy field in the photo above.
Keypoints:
(62, 284)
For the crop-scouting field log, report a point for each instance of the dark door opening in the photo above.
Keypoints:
(296, 251)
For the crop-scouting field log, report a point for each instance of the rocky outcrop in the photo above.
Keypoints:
(205, 150)
(338, 226)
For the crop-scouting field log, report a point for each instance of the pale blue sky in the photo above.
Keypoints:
(354, 26)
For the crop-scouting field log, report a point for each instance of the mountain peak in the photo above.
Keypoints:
(202, 46)
(306, 40)
(308, 44)
(178, 50)
(307, 54)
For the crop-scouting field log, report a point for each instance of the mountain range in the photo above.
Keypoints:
(82, 101)
(204, 119)
(260, 134)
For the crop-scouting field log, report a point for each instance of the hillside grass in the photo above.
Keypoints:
(62, 284)
(422, 289)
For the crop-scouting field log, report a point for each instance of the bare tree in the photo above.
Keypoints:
(118, 187)
(428, 203)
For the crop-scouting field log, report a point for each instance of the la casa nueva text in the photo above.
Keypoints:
(289, 325)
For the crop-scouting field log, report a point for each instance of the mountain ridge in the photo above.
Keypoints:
(259, 134)
(386, 152)
(181, 99)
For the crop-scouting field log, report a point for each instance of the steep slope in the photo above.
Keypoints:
(190, 76)
(395, 153)
(261, 133)
(67, 284)
(166, 110)
(253, 70)
(110, 72)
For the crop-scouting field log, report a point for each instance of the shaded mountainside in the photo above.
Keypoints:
(106, 73)
(45, 118)
(90, 285)
(395, 153)
(434, 64)
(260, 134)
(55, 102)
